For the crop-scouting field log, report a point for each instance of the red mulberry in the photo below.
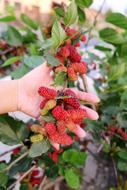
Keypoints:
(47, 92)
(50, 128)
(59, 113)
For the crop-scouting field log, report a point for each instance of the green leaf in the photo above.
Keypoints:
(7, 135)
(11, 61)
(24, 186)
(48, 118)
(112, 36)
(122, 165)
(115, 73)
(28, 21)
(59, 11)
(74, 157)
(59, 79)
(102, 48)
(84, 3)
(122, 119)
(33, 61)
(3, 179)
(123, 154)
(58, 34)
(71, 15)
(20, 71)
(82, 16)
(51, 60)
(123, 103)
(117, 19)
(8, 18)
(39, 148)
(72, 178)
(2, 166)
(13, 37)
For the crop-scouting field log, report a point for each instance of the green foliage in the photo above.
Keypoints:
(13, 36)
(39, 148)
(71, 15)
(74, 157)
(29, 22)
(84, 3)
(10, 61)
(72, 178)
(8, 18)
(33, 61)
(3, 179)
(112, 36)
(117, 19)
(58, 34)
(59, 79)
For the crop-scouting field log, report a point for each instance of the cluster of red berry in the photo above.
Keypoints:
(115, 130)
(64, 107)
(69, 57)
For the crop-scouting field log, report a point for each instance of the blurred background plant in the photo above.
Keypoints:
(24, 39)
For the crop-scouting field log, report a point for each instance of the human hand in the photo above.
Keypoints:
(29, 99)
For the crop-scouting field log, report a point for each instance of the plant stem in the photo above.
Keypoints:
(22, 177)
(115, 170)
(42, 183)
(15, 161)
(51, 184)
(86, 89)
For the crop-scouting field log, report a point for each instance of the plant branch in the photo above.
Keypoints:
(51, 184)
(42, 183)
(115, 170)
(22, 177)
(15, 161)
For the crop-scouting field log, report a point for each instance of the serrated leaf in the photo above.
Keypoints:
(3, 179)
(28, 21)
(11, 61)
(84, 3)
(123, 154)
(74, 157)
(117, 19)
(20, 71)
(59, 11)
(39, 148)
(82, 16)
(112, 36)
(71, 15)
(122, 165)
(72, 179)
(33, 61)
(58, 34)
(51, 60)
(13, 36)
(8, 18)
(59, 79)
(7, 135)
(115, 73)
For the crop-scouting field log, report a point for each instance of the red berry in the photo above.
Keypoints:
(63, 139)
(61, 127)
(80, 67)
(59, 113)
(50, 128)
(60, 58)
(54, 156)
(64, 52)
(77, 44)
(77, 115)
(83, 38)
(16, 150)
(47, 92)
(60, 68)
(71, 74)
(35, 181)
(72, 100)
(35, 173)
(72, 33)
(74, 55)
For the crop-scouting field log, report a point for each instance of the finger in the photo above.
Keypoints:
(79, 132)
(86, 96)
(91, 114)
